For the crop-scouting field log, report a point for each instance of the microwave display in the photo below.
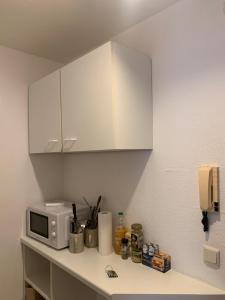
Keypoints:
(39, 224)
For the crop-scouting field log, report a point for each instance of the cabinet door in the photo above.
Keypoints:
(132, 99)
(86, 91)
(45, 115)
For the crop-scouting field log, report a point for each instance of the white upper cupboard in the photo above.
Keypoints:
(87, 112)
(105, 101)
(45, 115)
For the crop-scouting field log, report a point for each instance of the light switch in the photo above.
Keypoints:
(211, 255)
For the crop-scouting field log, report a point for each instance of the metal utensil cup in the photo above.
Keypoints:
(76, 242)
(91, 237)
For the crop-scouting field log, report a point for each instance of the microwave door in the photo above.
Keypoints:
(39, 224)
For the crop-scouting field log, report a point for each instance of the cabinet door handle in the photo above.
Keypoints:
(68, 143)
(53, 141)
(70, 140)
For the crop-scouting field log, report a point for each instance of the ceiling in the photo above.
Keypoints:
(61, 30)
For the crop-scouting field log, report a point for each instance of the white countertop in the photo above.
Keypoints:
(89, 267)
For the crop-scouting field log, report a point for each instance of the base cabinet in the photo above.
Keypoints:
(63, 276)
(37, 272)
(65, 286)
(44, 280)
(31, 293)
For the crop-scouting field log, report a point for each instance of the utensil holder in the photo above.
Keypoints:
(91, 237)
(76, 242)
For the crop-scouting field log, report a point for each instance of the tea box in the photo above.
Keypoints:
(155, 258)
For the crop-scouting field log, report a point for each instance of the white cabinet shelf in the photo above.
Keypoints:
(32, 282)
(37, 272)
(134, 279)
(66, 287)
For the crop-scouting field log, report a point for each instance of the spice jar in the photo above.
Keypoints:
(124, 249)
(136, 242)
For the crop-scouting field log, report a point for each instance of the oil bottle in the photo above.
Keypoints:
(120, 231)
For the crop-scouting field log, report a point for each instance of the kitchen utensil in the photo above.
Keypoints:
(93, 215)
(76, 227)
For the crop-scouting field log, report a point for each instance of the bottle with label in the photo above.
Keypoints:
(120, 231)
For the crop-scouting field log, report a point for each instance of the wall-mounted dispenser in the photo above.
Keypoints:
(208, 192)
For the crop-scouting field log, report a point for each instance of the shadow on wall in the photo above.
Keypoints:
(115, 175)
(48, 170)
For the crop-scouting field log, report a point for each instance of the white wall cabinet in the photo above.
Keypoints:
(105, 103)
(45, 115)
(106, 100)
(87, 102)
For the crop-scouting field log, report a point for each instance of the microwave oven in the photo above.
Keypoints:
(49, 223)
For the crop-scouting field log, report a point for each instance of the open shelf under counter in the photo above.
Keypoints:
(37, 271)
(134, 279)
(33, 284)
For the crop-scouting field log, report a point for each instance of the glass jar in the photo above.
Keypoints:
(137, 238)
(128, 237)
(124, 249)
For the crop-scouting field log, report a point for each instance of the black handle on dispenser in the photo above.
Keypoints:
(205, 221)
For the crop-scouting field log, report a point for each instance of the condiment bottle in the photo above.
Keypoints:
(119, 232)
(136, 242)
(124, 249)
(128, 237)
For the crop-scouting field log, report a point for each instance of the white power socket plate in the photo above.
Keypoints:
(211, 255)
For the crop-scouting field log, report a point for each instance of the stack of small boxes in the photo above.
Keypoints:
(155, 258)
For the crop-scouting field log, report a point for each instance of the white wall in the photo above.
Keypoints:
(187, 46)
(21, 180)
